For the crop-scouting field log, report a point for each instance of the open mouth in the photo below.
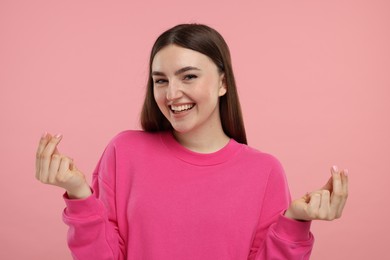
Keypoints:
(181, 108)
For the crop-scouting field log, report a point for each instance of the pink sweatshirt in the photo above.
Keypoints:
(155, 200)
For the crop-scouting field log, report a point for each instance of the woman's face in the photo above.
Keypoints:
(187, 87)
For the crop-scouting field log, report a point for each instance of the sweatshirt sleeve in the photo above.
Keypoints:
(93, 229)
(278, 237)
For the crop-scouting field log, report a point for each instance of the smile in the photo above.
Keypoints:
(181, 108)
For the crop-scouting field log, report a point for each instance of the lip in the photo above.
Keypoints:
(181, 114)
(185, 105)
(181, 104)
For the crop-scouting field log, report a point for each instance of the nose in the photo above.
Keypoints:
(174, 91)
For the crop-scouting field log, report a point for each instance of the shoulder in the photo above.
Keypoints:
(132, 144)
(269, 165)
(265, 164)
(260, 156)
(134, 137)
(135, 142)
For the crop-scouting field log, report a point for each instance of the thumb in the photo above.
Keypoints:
(58, 137)
(329, 185)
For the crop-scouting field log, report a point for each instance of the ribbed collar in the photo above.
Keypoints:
(184, 154)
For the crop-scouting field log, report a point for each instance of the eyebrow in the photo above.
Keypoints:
(180, 71)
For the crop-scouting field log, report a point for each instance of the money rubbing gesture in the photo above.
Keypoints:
(326, 203)
(54, 168)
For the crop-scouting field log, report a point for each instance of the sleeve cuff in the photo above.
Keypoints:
(82, 207)
(293, 230)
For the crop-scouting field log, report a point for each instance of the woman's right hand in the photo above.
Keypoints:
(53, 168)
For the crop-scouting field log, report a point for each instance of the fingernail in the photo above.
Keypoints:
(58, 136)
(335, 169)
(44, 134)
(346, 172)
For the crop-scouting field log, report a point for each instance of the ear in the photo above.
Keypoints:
(222, 85)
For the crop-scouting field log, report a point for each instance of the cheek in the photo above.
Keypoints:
(209, 91)
(159, 95)
(211, 86)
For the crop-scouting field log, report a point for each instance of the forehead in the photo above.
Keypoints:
(174, 57)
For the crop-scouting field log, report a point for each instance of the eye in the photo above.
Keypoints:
(160, 81)
(190, 76)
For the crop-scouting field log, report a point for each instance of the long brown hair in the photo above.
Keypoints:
(206, 40)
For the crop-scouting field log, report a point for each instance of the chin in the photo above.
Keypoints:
(182, 129)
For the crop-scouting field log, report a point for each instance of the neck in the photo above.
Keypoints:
(203, 141)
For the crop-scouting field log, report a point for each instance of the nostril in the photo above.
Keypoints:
(173, 94)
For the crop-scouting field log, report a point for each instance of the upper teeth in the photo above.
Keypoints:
(182, 107)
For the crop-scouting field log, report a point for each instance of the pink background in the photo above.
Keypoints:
(314, 83)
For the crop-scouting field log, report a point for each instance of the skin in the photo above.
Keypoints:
(326, 203)
(190, 78)
(54, 168)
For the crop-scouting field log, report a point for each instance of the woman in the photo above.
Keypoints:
(188, 186)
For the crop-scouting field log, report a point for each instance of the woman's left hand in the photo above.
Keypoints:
(326, 203)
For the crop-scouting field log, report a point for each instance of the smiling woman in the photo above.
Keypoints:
(188, 186)
(187, 91)
(202, 40)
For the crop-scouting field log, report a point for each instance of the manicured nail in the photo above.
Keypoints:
(44, 134)
(346, 172)
(335, 169)
(58, 136)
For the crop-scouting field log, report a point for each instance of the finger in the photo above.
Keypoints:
(324, 210)
(72, 166)
(314, 205)
(45, 156)
(41, 146)
(64, 170)
(53, 168)
(344, 179)
(306, 198)
(329, 185)
(337, 193)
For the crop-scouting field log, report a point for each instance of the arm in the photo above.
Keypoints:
(93, 231)
(93, 226)
(289, 237)
(279, 237)
(90, 213)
